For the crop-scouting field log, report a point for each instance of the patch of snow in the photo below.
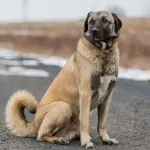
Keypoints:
(10, 62)
(5, 72)
(30, 62)
(57, 61)
(28, 72)
(8, 54)
(132, 74)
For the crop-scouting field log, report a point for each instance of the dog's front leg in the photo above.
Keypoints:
(103, 110)
(85, 101)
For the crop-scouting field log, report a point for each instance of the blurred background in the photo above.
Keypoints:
(52, 27)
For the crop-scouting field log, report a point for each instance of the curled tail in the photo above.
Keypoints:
(14, 114)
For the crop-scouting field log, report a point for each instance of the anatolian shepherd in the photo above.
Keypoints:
(86, 82)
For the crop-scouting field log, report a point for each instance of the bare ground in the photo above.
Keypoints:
(128, 121)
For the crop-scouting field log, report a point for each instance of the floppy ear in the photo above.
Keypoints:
(118, 22)
(86, 22)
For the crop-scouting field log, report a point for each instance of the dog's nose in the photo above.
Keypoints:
(95, 30)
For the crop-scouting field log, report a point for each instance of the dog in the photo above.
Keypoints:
(86, 82)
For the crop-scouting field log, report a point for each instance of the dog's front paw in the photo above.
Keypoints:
(86, 142)
(87, 145)
(106, 139)
(109, 141)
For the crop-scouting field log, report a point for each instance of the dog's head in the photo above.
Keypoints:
(102, 28)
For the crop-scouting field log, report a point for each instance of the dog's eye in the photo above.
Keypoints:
(105, 21)
(92, 22)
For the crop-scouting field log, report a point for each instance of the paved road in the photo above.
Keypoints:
(129, 118)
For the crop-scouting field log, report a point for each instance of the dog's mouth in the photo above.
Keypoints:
(104, 44)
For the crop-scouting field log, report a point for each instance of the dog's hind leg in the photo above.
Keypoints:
(54, 122)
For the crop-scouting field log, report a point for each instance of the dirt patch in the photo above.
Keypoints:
(60, 39)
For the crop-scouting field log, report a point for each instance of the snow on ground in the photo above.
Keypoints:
(56, 61)
(134, 74)
(15, 63)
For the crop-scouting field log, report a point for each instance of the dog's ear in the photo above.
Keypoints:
(118, 22)
(86, 22)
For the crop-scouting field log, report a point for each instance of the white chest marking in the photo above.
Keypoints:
(104, 85)
(102, 90)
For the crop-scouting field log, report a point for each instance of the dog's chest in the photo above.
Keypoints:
(101, 86)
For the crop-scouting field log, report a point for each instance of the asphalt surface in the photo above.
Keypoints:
(128, 122)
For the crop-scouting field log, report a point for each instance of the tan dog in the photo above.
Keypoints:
(86, 82)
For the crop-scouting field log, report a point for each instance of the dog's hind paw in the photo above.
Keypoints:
(61, 141)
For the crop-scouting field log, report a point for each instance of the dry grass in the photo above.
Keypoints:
(60, 39)
(44, 38)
